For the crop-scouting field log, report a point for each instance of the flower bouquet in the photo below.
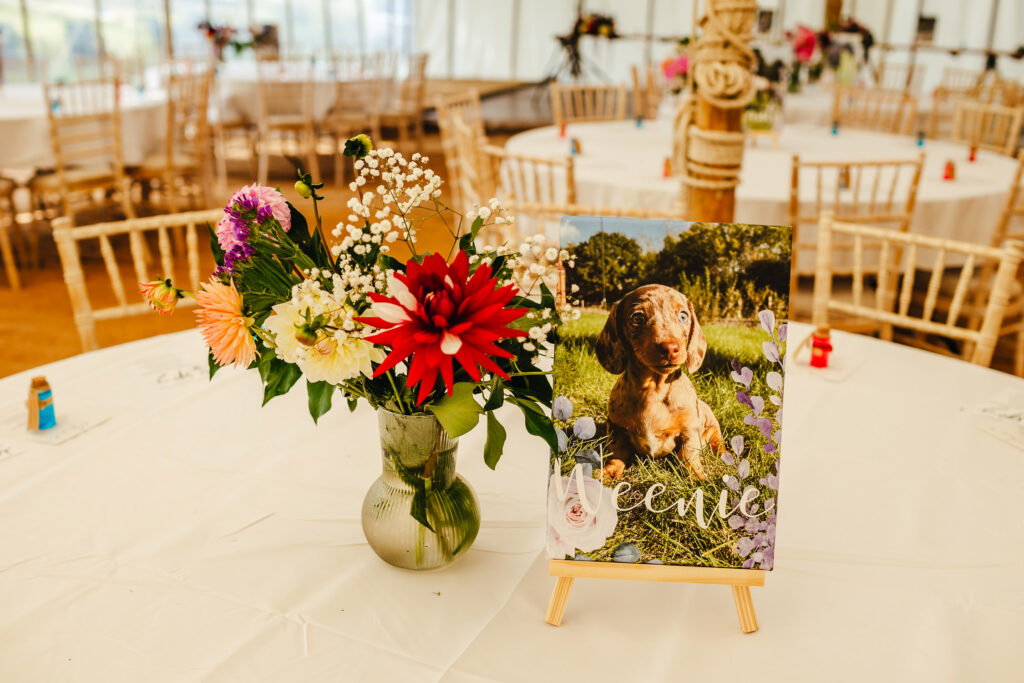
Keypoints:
(432, 343)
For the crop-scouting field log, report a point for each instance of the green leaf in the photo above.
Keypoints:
(218, 253)
(387, 262)
(466, 241)
(280, 378)
(497, 396)
(537, 422)
(495, 441)
(320, 394)
(214, 365)
(353, 403)
(457, 413)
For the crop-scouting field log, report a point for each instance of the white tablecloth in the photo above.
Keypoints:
(238, 91)
(25, 132)
(622, 166)
(194, 536)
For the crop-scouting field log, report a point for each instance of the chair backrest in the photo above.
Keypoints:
(647, 90)
(573, 103)
(989, 126)
(85, 130)
(285, 90)
(900, 272)
(961, 80)
(882, 193)
(466, 105)
(1013, 208)
(887, 111)
(413, 88)
(188, 99)
(900, 76)
(68, 237)
(474, 182)
(538, 191)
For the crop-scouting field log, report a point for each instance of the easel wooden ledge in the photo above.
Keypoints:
(740, 579)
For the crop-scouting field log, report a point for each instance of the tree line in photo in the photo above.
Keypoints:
(731, 271)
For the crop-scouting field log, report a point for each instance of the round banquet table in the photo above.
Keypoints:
(25, 130)
(194, 536)
(622, 166)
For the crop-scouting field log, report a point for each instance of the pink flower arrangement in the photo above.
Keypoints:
(805, 41)
(250, 206)
(674, 67)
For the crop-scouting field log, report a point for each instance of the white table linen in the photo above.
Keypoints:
(239, 96)
(622, 165)
(25, 130)
(195, 536)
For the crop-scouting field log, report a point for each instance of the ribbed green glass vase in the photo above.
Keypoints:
(419, 457)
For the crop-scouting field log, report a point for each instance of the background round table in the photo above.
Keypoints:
(195, 536)
(238, 89)
(622, 166)
(25, 130)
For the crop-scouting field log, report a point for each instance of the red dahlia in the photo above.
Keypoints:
(438, 312)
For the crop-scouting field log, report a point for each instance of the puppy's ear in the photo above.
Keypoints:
(611, 353)
(697, 345)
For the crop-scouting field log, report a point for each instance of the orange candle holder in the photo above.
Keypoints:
(949, 173)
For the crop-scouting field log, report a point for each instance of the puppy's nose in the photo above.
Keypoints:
(670, 349)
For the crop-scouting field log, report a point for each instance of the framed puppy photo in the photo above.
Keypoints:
(669, 394)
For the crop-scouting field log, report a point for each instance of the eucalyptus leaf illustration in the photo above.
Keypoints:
(626, 552)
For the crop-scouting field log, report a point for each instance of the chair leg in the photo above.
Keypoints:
(339, 166)
(8, 256)
(1018, 356)
(262, 164)
(311, 156)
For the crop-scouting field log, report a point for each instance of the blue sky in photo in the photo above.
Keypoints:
(649, 234)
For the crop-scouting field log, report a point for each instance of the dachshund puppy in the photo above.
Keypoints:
(651, 334)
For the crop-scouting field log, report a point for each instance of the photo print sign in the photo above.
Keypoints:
(669, 393)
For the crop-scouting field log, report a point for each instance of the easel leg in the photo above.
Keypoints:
(556, 608)
(744, 608)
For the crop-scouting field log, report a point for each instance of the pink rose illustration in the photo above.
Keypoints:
(581, 514)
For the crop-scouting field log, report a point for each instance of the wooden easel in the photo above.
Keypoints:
(740, 579)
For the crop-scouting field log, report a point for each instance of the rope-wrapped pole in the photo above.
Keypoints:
(709, 138)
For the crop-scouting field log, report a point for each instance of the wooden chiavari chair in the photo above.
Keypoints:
(988, 126)
(68, 238)
(286, 124)
(540, 190)
(85, 132)
(405, 108)
(359, 91)
(577, 103)
(182, 167)
(900, 76)
(1009, 227)
(881, 193)
(977, 342)
(647, 92)
(886, 111)
(961, 80)
(466, 106)
(6, 222)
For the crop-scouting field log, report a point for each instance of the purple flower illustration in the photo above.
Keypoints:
(737, 444)
(562, 408)
(743, 376)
